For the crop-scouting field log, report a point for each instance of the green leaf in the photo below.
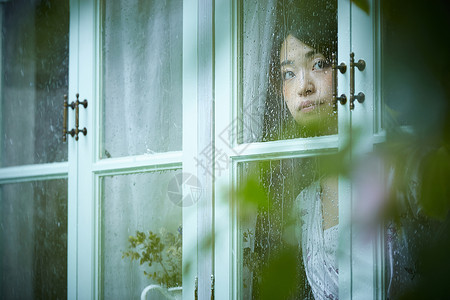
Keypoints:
(164, 248)
(279, 278)
(252, 194)
(435, 192)
(363, 4)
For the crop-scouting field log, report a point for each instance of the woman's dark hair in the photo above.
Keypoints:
(314, 22)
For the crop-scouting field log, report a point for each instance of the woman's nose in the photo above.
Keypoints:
(306, 85)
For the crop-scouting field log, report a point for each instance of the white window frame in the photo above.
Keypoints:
(86, 168)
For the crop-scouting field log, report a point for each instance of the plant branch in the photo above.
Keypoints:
(164, 268)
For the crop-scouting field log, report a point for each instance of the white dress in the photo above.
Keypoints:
(318, 246)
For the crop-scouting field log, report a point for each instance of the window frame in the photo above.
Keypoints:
(85, 192)
(227, 112)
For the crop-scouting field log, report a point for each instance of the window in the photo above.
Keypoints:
(205, 144)
(33, 185)
(268, 157)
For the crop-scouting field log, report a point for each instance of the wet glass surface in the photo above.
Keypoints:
(139, 210)
(283, 93)
(35, 62)
(33, 240)
(287, 230)
(142, 77)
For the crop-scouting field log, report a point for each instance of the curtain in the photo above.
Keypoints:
(257, 34)
(141, 114)
(142, 77)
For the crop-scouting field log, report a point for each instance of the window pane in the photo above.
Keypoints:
(139, 209)
(33, 240)
(285, 63)
(142, 77)
(287, 230)
(34, 65)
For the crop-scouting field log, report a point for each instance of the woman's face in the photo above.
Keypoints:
(307, 90)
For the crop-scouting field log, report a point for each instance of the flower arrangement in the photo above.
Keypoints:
(161, 252)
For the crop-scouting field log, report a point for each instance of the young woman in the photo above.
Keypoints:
(299, 91)
(307, 92)
(299, 104)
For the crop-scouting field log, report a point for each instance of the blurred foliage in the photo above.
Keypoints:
(162, 253)
(269, 252)
(253, 195)
(417, 92)
(435, 189)
(279, 278)
(363, 4)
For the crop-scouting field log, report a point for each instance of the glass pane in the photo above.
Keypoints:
(285, 63)
(138, 211)
(142, 77)
(34, 66)
(33, 240)
(287, 230)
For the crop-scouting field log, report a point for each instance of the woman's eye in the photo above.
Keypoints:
(321, 64)
(288, 75)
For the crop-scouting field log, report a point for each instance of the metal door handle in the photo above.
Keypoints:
(74, 105)
(77, 118)
(66, 106)
(361, 65)
(342, 68)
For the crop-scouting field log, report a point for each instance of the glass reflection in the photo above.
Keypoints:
(286, 65)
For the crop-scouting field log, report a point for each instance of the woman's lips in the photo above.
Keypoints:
(309, 105)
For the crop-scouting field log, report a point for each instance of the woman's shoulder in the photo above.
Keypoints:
(306, 198)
